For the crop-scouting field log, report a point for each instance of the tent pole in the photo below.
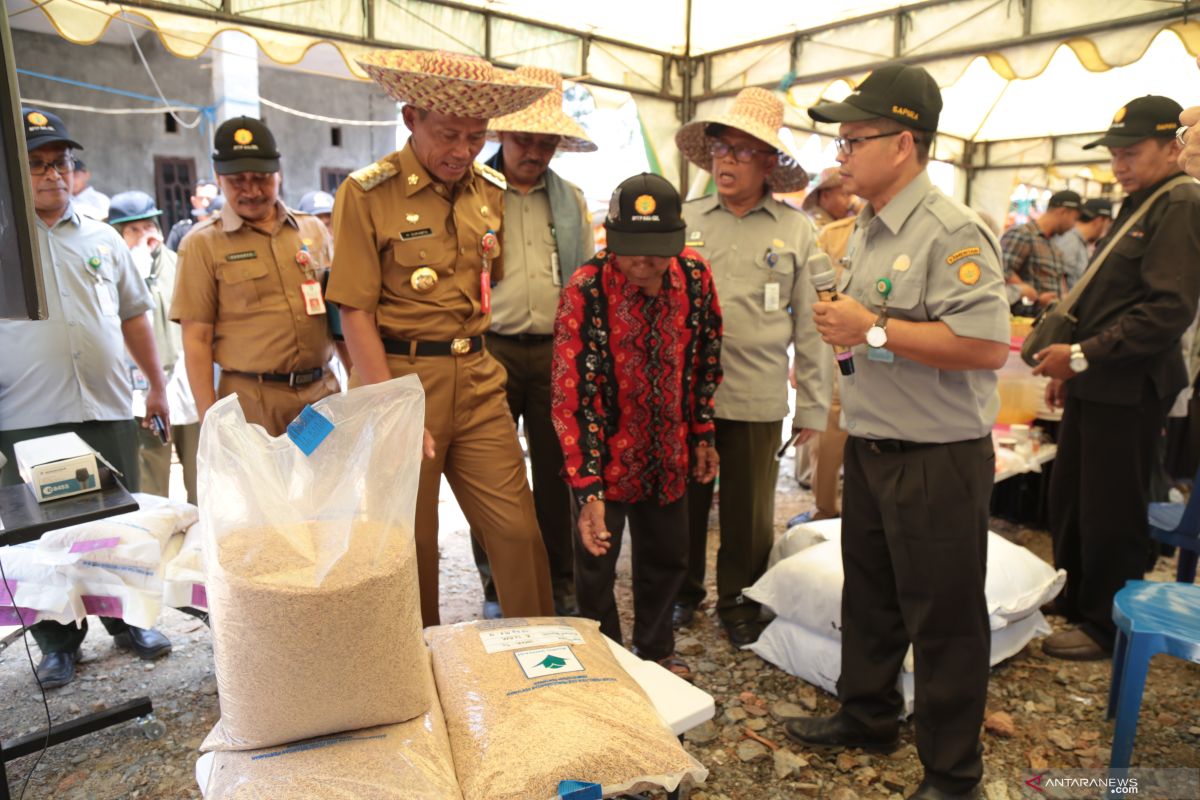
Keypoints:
(685, 105)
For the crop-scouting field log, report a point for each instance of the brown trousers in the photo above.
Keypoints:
(829, 452)
(467, 413)
(273, 404)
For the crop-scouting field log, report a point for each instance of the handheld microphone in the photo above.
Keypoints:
(826, 286)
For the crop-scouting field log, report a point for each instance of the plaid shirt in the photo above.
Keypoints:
(1033, 258)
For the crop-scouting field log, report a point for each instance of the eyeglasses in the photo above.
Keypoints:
(846, 146)
(544, 145)
(1181, 134)
(61, 166)
(742, 155)
(244, 180)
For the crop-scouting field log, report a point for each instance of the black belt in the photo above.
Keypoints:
(878, 446)
(300, 378)
(523, 337)
(455, 347)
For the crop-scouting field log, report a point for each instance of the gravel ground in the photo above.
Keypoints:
(1055, 710)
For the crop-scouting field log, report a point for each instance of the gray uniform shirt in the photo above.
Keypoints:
(1075, 254)
(944, 265)
(71, 366)
(772, 244)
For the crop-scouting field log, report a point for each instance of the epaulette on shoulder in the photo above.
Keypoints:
(490, 175)
(952, 215)
(372, 175)
(207, 223)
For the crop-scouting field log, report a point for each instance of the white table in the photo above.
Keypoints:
(681, 705)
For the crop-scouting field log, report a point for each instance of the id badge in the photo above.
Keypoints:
(771, 296)
(485, 291)
(314, 301)
(138, 379)
(555, 271)
(108, 303)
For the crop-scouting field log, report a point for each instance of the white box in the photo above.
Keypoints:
(57, 466)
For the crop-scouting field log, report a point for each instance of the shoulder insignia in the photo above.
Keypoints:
(959, 255)
(490, 175)
(199, 226)
(372, 175)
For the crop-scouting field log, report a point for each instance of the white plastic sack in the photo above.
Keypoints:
(807, 587)
(818, 659)
(311, 575)
(183, 577)
(802, 537)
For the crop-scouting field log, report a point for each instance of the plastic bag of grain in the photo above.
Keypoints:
(533, 702)
(409, 761)
(311, 576)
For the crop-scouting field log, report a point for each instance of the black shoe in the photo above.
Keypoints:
(927, 791)
(839, 731)
(491, 609)
(743, 633)
(682, 614)
(57, 669)
(148, 643)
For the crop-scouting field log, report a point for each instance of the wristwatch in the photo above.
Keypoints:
(1078, 362)
(877, 333)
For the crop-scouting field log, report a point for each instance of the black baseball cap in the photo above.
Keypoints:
(244, 144)
(901, 92)
(1095, 207)
(43, 128)
(1065, 199)
(645, 218)
(1149, 117)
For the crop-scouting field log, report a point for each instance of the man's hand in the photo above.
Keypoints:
(1189, 157)
(704, 468)
(843, 321)
(803, 435)
(1055, 362)
(428, 445)
(1046, 298)
(156, 403)
(1056, 394)
(592, 531)
(1027, 291)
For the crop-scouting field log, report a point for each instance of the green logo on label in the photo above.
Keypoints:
(552, 662)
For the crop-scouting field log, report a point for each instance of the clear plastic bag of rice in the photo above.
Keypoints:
(311, 574)
(533, 702)
(409, 761)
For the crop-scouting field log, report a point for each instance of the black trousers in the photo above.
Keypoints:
(747, 517)
(660, 540)
(118, 443)
(914, 551)
(528, 389)
(1098, 501)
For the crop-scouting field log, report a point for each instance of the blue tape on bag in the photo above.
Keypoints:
(308, 430)
(579, 790)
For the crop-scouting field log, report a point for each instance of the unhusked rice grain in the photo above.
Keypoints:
(409, 761)
(548, 703)
(309, 640)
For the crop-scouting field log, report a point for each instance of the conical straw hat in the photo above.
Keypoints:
(545, 116)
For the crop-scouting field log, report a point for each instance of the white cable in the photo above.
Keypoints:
(333, 120)
(95, 110)
(170, 109)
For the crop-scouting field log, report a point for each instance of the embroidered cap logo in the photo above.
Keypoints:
(37, 118)
(243, 136)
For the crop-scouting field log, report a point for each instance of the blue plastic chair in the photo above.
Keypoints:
(1178, 524)
(1151, 618)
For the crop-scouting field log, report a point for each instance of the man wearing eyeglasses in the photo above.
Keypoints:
(249, 289)
(547, 235)
(922, 307)
(763, 254)
(67, 373)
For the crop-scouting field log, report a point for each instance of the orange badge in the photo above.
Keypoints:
(969, 273)
(37, 118)
(243, 136)
(1120, 115)
(644, 204)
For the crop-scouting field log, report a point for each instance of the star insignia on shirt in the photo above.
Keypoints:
(412, 179)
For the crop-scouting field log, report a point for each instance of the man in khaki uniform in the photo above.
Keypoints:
(418, 249)
(248, 289)
(547, 236)
(763, 255)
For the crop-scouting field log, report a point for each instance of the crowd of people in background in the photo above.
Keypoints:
(641, 372)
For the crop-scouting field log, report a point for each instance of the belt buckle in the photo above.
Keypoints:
(874, 448)
(460, 347)
(304, 379)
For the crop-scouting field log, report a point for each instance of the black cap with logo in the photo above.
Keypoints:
(645, 218)
(43, 128)
(1095, 207)
(244, 144)
(904, 93)
(1149, 117)
(1065, 199)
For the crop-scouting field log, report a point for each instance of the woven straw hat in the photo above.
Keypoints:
(759, 113)
(545, 116)
(829, 178)
(450, 83)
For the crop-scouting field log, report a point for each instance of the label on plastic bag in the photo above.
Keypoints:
(580, 790)
(498, 641)
(546, 661)
(308, 430)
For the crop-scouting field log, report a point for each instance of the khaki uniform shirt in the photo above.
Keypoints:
(766, 307)
(944, 265)
(392, 219)
(246, 284)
